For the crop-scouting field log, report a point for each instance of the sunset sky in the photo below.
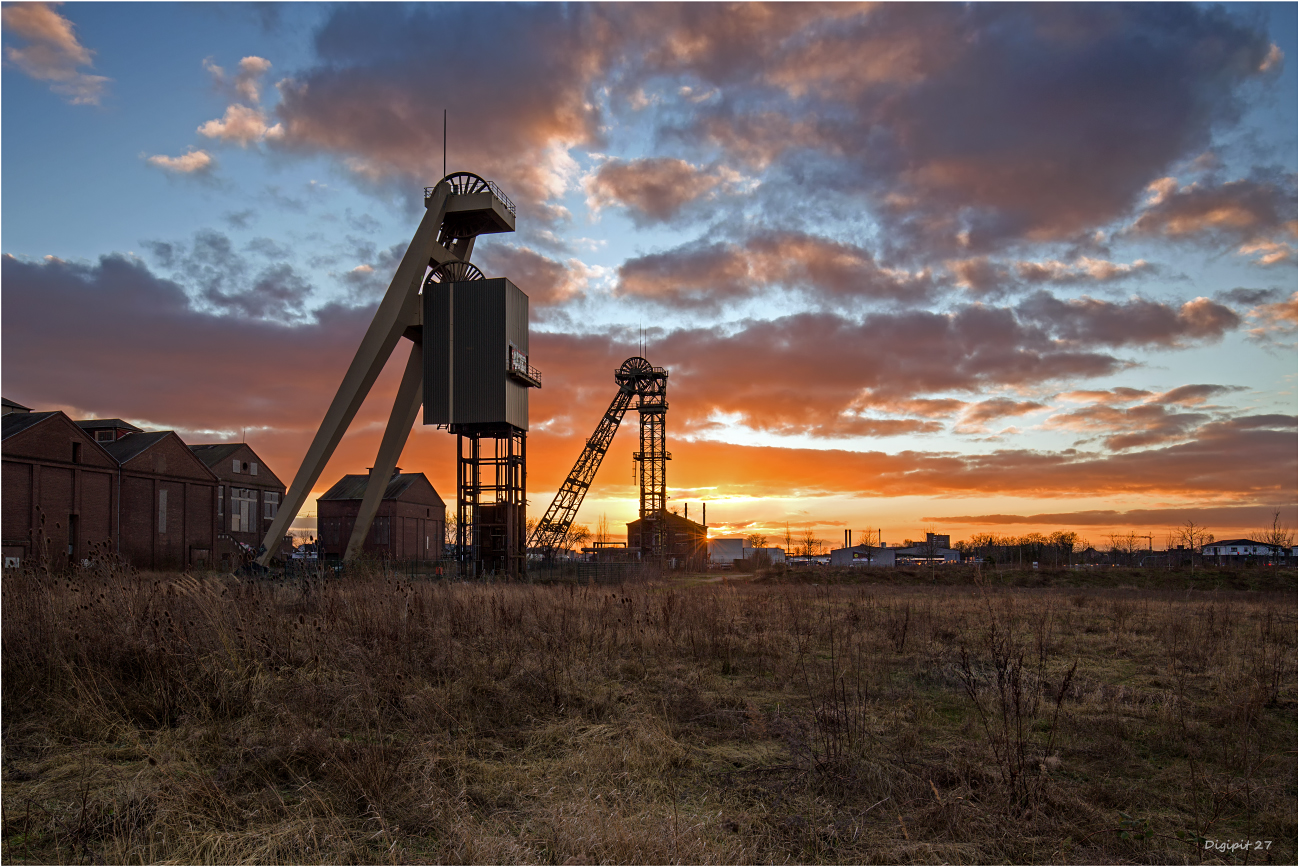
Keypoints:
(986, 268)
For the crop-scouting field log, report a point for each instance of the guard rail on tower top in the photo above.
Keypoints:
(464, 183)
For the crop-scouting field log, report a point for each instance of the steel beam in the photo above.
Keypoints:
(410, 394)
(398, 309)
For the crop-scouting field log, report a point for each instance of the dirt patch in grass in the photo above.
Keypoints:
(202, 718)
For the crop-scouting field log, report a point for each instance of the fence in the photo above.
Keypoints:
(559, 572)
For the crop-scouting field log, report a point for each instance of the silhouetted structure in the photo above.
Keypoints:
(408, 524)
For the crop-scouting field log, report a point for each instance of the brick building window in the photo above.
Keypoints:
(243, 505)
(104, 436)
(272, 504)
(162, 511)
(221, 501)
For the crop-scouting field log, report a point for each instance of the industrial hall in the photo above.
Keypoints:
(74, 491)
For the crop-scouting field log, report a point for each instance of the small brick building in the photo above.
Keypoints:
(685, 543)
(248, 497)
(408, 526)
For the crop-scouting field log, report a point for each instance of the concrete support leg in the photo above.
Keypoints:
(410, 394)
(399, 308)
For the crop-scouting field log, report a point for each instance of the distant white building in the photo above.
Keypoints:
(725, 551)
(1239, 550)
(935, 546)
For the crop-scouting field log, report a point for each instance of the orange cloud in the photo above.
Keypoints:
(1257, 216)
(191, 162)
(53, 52)
(654, 189)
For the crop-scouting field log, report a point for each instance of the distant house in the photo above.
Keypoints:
(408, 526)
(248, 498)
(1238, 551)
(684, 542)
(12, 406)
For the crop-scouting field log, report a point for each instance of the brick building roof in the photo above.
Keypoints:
(353, 487)
(212, 454)
(106, 424)
(134, 444)
(17, 422)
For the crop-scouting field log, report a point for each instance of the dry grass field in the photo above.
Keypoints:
(179, 718)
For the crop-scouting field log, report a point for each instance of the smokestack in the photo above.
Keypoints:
(705, 519)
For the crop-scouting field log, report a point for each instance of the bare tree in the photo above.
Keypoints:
(1194, 537)
(1278, 537)
(577, 536)
(758, 542)
(869, 544)
(601, 538)
(449, 528)
(789, 542)
(1063, 544)
(809, 544)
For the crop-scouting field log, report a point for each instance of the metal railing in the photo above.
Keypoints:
(462, 183)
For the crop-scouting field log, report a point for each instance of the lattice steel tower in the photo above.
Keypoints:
(636, 378)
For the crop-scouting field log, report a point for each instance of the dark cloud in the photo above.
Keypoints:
(515, 86)
(965, 127)
(268, 248)
(1156, 418)
(986, 123)
(706, 275)
(544, 280)
(979, 414)
(115, 339)
(1251, 297)
(827, 375)
(982, 277)
(1258, 215)
(1136, 322)
(222, 277)
(239, 219)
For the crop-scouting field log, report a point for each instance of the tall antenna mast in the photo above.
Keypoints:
(444, 142)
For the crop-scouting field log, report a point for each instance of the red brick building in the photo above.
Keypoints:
(408, 525)
(107, 430)
(685, 543)
(168, 502)
(59, 491)
(248, 498)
